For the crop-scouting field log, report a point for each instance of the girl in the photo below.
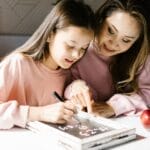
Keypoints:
(30, 74)
(115, 61)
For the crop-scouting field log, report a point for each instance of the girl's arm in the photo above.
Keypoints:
(79, 94)
(11, 113)
(13, 102)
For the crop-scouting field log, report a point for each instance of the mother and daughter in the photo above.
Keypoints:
(116, 65)
(114, 68)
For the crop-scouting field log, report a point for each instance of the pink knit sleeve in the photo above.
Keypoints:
(144, 82)
(123, 104)
(11, 113)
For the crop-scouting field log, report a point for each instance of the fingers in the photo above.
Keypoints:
(69, 111)
(88, 100)
(82, 100)
(79, 101)
(63, 116)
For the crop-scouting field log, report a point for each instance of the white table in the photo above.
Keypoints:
(23, 139)
(142, 144)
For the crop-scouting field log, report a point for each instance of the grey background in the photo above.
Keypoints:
(20, 18)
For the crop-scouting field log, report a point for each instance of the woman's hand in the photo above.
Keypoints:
(55, 113)
(102, 109)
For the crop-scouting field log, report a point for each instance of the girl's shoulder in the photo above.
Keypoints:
(15, 59)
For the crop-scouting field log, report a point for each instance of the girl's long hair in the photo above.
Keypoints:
(65, 13)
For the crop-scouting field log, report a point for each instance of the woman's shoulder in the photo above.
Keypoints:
(147, 63)
(145, 67)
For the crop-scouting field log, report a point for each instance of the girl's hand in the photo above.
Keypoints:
(79, 94)
(83, 101)
(55, 113)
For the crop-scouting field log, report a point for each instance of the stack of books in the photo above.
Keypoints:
(86, 132)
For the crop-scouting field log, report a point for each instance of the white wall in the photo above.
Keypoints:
(95, 4)
(9, 42)
(19, 18)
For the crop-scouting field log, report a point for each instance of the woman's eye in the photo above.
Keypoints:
(110, 30)
(126, 40)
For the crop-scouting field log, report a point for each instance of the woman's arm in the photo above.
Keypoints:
(124, 104)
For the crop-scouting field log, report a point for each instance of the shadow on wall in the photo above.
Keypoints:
(13, 37)
(10, 42)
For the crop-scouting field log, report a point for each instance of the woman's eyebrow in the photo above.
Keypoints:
(131, 37)
(111, 25)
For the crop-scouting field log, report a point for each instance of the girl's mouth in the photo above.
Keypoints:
(69, 61)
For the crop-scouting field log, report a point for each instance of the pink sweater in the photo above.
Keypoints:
(24, 82)
(94, 69)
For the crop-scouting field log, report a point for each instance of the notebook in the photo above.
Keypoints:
(85, 132)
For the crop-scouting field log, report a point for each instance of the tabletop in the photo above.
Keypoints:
(17, 138)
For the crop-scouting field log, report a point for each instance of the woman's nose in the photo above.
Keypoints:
(114, 43)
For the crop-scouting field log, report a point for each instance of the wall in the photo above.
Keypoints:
(20, 18)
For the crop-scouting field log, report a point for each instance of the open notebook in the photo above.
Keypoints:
(86, 132)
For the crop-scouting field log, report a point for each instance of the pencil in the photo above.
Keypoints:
(57, 96)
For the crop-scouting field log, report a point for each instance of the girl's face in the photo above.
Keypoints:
(118, 34)
(68, 45)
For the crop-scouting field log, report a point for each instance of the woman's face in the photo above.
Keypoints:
(69, 45)
(118, 33)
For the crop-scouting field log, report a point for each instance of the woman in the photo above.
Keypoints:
(114, 61)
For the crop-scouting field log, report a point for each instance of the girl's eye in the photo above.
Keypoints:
(110, 31)
(83, 50)
(70, 47)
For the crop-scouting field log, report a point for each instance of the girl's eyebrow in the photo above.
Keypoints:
(74, 42)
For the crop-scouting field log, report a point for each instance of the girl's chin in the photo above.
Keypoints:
(66, 66)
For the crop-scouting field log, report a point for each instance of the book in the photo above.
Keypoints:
(86, 132)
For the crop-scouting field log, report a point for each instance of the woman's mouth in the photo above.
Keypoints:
(107, 49)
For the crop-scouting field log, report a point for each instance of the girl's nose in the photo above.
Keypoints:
(75, 54)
